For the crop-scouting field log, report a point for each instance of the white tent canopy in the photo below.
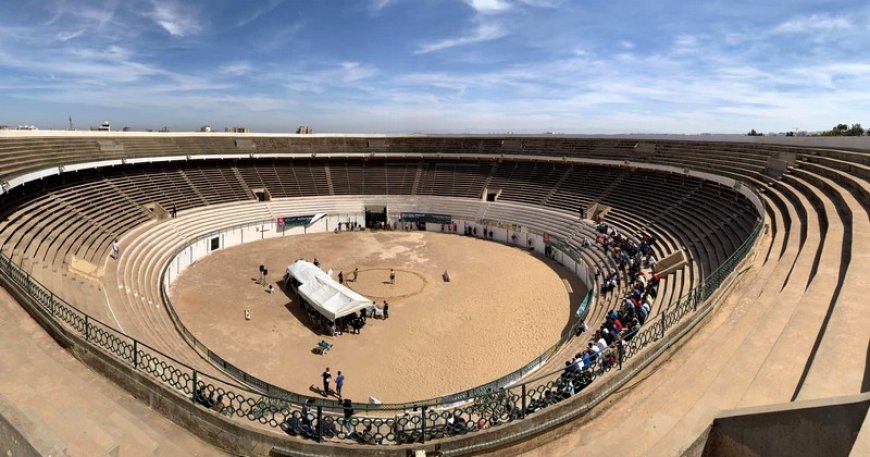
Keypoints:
(327, 296)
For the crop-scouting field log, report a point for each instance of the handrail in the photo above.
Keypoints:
(415, 426)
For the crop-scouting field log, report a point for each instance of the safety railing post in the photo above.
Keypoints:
(51, 302)
(319, 423)
(193, 388)
(423, 423)
(87, 327)
(135, 354)
(664, 318)
(523, 402)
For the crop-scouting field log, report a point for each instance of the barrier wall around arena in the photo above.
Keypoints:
(246, 233)
(202, 246)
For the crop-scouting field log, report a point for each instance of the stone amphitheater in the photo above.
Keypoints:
(756, 344)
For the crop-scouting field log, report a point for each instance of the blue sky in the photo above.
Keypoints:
(392, 66)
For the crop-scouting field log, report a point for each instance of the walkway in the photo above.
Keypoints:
(65, 409)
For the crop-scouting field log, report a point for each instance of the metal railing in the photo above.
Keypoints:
(397, 425)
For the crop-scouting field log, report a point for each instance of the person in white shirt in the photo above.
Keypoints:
(594, 350)
(582, 328)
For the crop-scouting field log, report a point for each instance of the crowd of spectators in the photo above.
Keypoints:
(622, 322)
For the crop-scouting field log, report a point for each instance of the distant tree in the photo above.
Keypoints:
(754, 133)
(789, 133)
(845, 130)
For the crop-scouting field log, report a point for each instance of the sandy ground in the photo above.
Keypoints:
(502, 308)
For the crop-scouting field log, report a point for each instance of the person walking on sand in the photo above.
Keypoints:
(355, 272)
(392, 276)
(340, 277)
(327, 376)
(116, 249)
(339, 383)
(386, 310)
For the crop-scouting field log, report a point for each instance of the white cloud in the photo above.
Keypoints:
(339, 75)
(378, 5)
(542, 3)
(66, 36)
(483, 32)
(235, 69)
(626, 44)
(815, 23)
(173, 19)
(489, 6)
(256, 13)
(685, 43)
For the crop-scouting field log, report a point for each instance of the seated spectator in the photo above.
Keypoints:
(601, 343)
(593, 351)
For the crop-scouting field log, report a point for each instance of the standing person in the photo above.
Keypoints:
(386, 310)
(307, 416)
(173, 211)
(348, 414)
(327, 376)
(582, 327)
(340, 277)
(355, 272)
(116, 249)
(392, 276)
(339, 383)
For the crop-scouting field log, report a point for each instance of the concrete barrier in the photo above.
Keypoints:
(816, 427)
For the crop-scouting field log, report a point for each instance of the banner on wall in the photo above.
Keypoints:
(296, 221)
(426, 217)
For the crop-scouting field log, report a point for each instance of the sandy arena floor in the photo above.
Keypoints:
(502, 308)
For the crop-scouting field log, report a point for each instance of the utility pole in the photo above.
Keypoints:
(70, 123)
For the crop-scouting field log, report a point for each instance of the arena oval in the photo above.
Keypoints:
(503, 307)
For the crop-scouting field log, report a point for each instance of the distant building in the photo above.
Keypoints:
(104, 127)
(26, 127)
(205, 128)
(126, 129)
(305, 130)
(4, 127)
(164, 130)
(237, 130)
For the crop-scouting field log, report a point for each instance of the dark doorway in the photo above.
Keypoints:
(376, 216)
